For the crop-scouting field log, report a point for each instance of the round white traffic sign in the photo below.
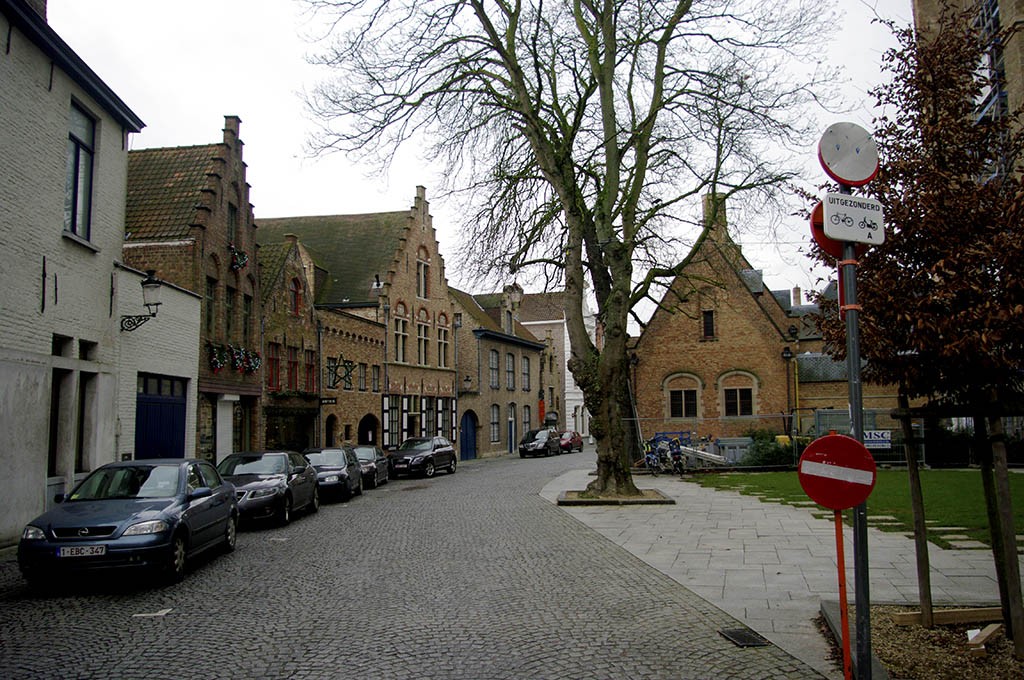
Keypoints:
(848, 154)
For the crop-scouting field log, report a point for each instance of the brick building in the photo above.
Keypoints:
(291, 351)
(723, 355)
(384, 268)
(188, 217)
(500, 366)
(353, 360)
(64, 135)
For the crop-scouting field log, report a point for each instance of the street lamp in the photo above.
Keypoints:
(787, 356)
(151, 300)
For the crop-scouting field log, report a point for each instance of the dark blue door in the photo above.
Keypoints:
(467, 436)
(160, 417)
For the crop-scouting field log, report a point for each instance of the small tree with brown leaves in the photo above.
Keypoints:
(943, 296)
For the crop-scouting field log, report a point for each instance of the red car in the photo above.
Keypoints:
(570, 441)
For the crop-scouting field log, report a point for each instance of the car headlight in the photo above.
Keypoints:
(33, 533)
(331, 479)
(262, 493)
(153, 526)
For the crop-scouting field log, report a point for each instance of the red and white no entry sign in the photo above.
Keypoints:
(837, 472)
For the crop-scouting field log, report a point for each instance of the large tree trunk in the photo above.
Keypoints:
(924, 581)
(614, 431)
(1015, 622)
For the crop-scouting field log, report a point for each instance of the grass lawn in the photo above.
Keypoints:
(952, 498)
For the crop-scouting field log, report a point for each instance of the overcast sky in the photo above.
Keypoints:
(183, 65)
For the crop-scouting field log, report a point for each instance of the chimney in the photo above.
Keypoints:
(797, 300)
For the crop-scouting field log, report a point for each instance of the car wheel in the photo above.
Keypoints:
(522, 455)
(176, 560)
(314, 502)
(284, 513)
(428, 469)
(231, 534)
(451, 468)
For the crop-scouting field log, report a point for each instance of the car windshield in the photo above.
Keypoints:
(415, 445)
(530, 436)
(366, 453)
(253, 465)
(335, 458)
(136, 481)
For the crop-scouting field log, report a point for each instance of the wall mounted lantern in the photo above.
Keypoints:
(150, 298)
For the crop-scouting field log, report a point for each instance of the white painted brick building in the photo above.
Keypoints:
(63, 170)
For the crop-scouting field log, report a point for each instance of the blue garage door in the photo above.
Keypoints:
(160, 417)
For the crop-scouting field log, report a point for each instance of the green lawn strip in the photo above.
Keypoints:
(952, 498)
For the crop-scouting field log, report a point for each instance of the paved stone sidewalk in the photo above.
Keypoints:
(770, 565)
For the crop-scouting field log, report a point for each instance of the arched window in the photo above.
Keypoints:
(295, 297)
(492, 365)
(495, 423)
(422, 273)
(737, 393)
(682, 393)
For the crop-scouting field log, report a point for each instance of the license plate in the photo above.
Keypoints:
(82, 551)
(398, 465)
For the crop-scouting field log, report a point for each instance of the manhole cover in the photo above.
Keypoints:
(743, 637)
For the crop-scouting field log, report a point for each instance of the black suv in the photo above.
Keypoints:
(539, 442)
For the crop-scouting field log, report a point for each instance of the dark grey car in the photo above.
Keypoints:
(424, 455)
(539, 443)
(337, 470)
(272, 484)
(374, 464)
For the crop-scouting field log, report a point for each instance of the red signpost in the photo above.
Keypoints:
(838, 472)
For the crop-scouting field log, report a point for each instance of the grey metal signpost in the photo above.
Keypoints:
(849, 156)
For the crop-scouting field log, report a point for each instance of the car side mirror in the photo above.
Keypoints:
(60, 498)
(201, 492)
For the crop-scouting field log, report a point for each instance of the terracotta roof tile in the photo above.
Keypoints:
(164, 188)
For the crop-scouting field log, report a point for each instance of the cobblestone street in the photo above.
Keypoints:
(471, 575)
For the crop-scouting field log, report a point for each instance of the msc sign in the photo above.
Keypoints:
(878, 439)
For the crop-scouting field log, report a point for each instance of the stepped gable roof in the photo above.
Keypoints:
(271, 258)
(542, 306)
(352, 249)
(164, 189)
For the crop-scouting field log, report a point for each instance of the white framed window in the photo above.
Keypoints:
(79, 173)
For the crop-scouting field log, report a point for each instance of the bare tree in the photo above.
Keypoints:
(581, 134)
